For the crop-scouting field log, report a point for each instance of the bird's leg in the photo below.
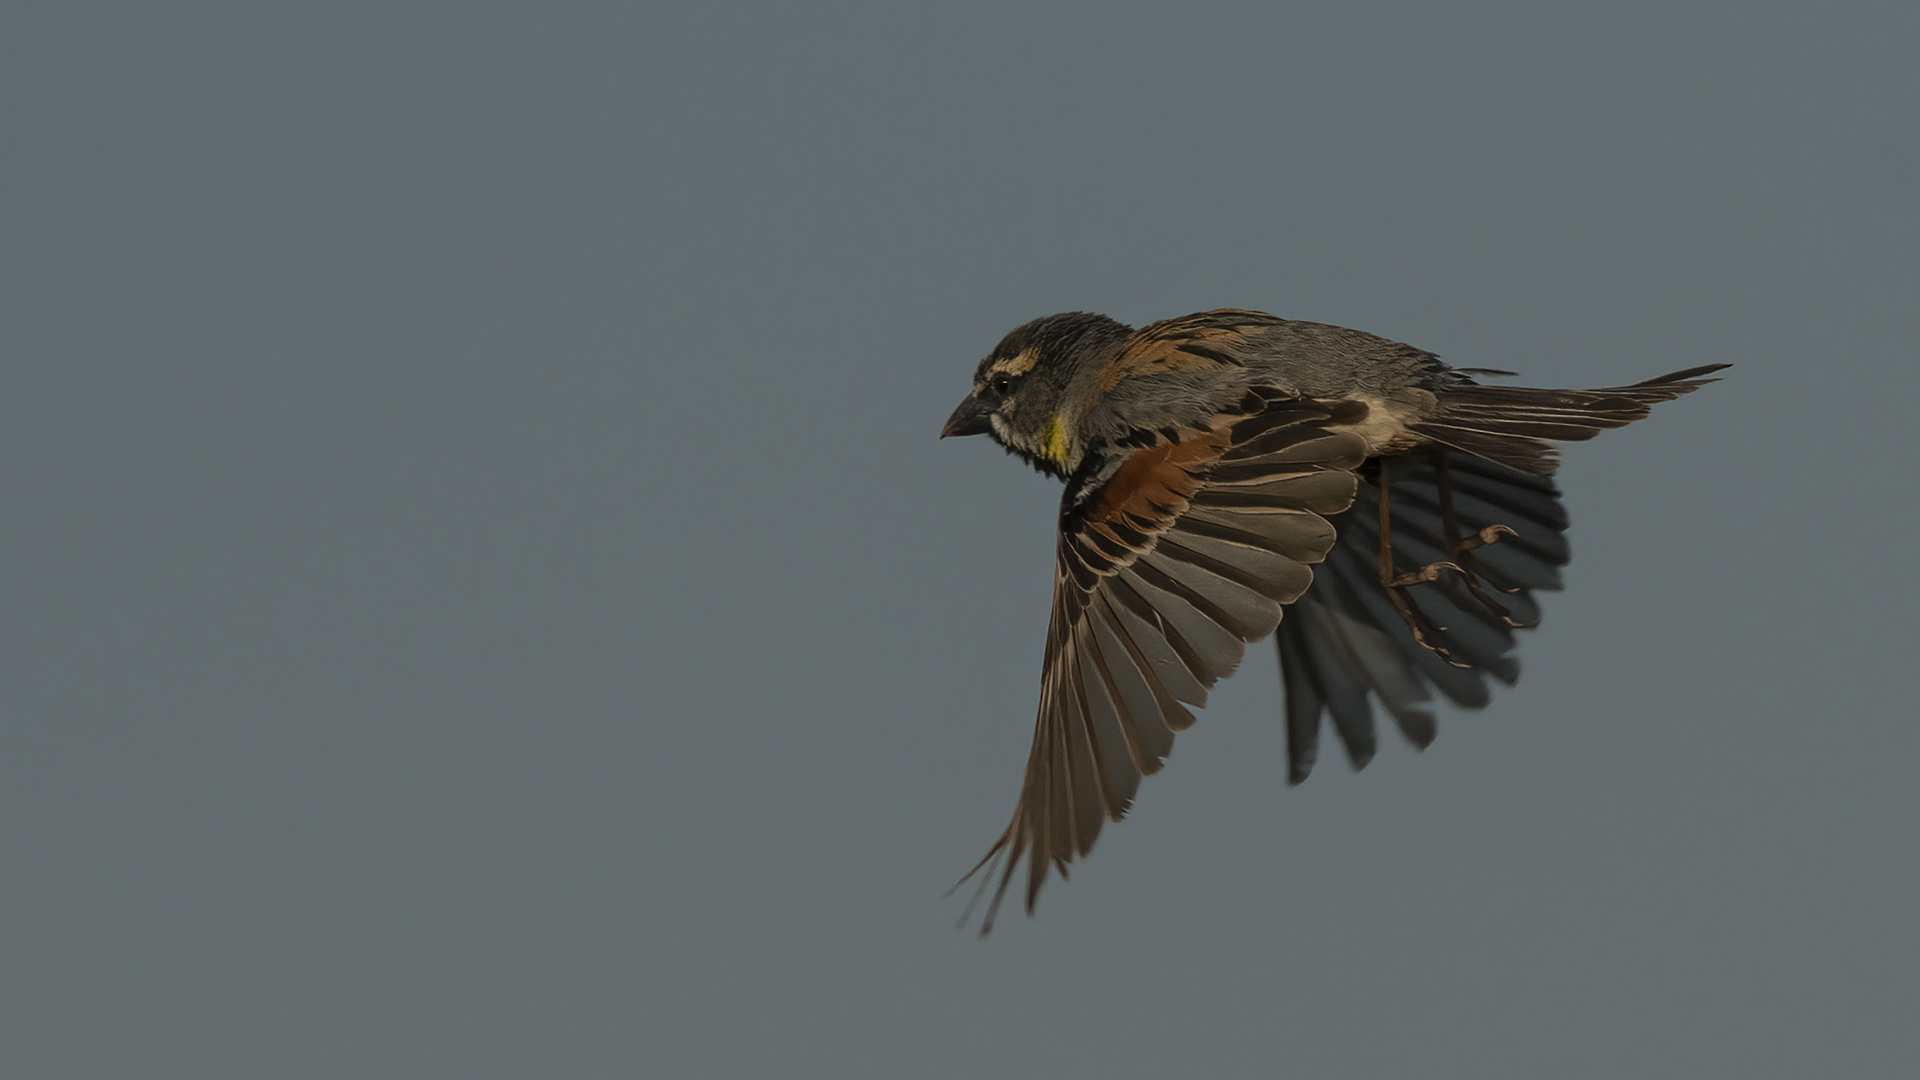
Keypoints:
(1427, 573)
(1460, 545)
(1463, 546)
(1424, 630)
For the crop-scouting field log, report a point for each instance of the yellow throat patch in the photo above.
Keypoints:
(1055, 447)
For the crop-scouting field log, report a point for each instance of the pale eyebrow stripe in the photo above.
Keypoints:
(1018, 364)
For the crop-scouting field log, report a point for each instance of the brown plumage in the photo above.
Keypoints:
(1212, 463)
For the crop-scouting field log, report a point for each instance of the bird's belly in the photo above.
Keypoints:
(1387, 427)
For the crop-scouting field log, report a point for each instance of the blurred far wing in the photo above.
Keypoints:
(1344, 646)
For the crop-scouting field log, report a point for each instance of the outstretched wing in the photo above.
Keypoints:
(1170, 563)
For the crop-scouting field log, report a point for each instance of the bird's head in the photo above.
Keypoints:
(1032, 391)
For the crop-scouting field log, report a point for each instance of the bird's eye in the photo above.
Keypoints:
(1000, 383)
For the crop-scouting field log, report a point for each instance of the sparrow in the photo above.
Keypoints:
(1232, 475)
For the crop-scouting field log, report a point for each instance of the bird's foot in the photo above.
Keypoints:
(1425, 630)
(1489, 535)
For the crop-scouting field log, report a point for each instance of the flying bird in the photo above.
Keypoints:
(1229, 468)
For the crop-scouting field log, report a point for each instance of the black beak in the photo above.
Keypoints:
(969, 419)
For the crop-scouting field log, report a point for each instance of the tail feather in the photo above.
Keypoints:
(1511, 424)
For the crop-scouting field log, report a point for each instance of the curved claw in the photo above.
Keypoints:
(1489, 535)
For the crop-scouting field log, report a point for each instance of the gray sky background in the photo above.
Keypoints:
(483, 596)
